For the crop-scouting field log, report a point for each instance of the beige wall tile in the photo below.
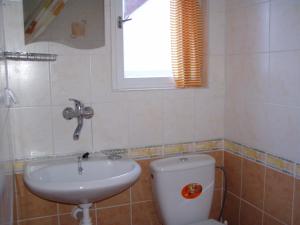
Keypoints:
(145, 122)
(122, 198)
(53, 220)
(250, 215)
(216, 205)
(110, 126)
(32, 131)
(114, 216)
(296, 207)
(68, 219)
(65, 208)
(72, 82)
(29, 205)
(218, 156)
(233, 166)
(268, 220)
(30, 82)
(284, 90)
(279, 195)
(232, 209)
(141, 190)
(248, 29)
(253, 183)
(144, 214)
(178, 121)
(285, 27)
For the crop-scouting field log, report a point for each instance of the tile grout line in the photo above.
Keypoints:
(96, 215)
(293, 200)
(223, 180)
(240, 197)
(112, 206)
(36, 218)
(141, 202)
(264, 194)
(15, 196)
(254, 206)
(57, 212)
(130, 204)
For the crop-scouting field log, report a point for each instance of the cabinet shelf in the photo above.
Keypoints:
(24, 56)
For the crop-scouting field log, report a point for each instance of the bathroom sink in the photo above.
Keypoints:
(62, 181)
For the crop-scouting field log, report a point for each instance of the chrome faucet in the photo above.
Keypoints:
(80, 112)
(85, 156)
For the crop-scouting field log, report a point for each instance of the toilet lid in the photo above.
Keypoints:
(208, 222)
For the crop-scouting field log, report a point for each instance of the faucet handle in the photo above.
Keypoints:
(76, 101)
(88, 112)
(68, 113)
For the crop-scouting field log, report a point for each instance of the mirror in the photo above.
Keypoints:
(75, 23)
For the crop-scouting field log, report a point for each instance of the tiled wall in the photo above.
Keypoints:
(262, 75)
(132, 207)
(262, 190)
(259, 191)
(122, 119)
(6, 173)
(262, 111)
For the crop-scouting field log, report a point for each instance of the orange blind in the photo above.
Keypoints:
(187, 39)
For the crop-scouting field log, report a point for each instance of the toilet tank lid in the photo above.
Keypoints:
(181, 162)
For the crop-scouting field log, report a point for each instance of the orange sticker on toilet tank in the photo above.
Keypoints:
(191, 191)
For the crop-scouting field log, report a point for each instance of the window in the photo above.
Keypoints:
(146, 40)
(144, 51)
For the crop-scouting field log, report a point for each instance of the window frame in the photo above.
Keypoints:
(119, 82)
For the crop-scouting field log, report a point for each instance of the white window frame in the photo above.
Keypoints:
(118, 80)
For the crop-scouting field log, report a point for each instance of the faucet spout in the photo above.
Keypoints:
(78, 128)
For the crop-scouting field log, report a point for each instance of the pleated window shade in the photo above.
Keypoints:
(187, 41)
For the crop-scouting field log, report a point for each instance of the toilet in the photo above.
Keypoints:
(183, 189)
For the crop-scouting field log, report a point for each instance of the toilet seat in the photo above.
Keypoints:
(208, 222)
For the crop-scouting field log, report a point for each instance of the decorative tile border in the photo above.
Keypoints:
(272, 161)
(177, 149)
(203, 146)
(298, 171)
(254, 154)
(115, 152)
(233, 147)
(145, 152)
(269, 160)
(281, 164)
(19, 166)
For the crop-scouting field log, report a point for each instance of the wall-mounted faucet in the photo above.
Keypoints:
(80, 112)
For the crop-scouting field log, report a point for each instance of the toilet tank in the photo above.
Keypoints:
(183, 188)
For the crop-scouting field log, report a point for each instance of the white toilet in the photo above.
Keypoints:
(183, 189)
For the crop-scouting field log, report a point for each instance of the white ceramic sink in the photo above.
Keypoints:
(61, 181)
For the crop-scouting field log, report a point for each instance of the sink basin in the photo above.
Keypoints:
(61, 181)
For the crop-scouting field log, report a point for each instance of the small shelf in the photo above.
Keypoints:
(24, 56)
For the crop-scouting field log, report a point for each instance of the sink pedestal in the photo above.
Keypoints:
(86, 219)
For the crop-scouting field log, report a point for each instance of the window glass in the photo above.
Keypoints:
(146, 39)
